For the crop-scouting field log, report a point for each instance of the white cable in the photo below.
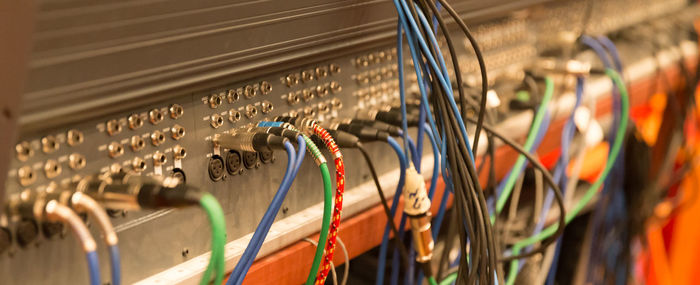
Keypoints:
(335, 275)
(346, 272)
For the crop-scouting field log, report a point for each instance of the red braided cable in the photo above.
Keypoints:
(338, 207)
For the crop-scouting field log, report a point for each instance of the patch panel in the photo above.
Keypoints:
(172, 137)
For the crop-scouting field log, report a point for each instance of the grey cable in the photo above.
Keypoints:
(335, 275)
(346, 272)
(512, 210)
(539, 190)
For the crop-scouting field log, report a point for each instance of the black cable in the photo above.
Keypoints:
(482, 66)
(469, 196)
(385, 204)
(548, 178)
(453, 53)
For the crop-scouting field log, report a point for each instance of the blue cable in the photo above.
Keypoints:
(301, 151)
(115, 264)
(580, 82)
(93, 267)
(414, 56)
(395, 255)
(403, 163)
(611, 208)
(443, 77)
(263, 228)
(567, 136)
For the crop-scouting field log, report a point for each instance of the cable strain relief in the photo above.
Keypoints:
(289, 134)
(317, 140)
(261, 141)
(344, 139)
(383, 136)
(276, 142)
(427, 269)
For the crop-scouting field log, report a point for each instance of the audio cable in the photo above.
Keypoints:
(311, 127)
(567, 136)
(258, 141)
(593, 189)
(505, 189)
(127, 191)
(56, 212)
(328, 200)
(53, 206)
(81, 202)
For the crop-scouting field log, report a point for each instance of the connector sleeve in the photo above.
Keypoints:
(394, 118)
(261, 141)
(343, 139)
(364, 133)
(270, 124)
(154, 196)
(276, 142)
(382, 126)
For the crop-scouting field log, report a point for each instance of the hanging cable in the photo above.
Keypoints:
(537, 123)
(592, 191)
(311, 127)
(56, 212)
(82, 202)
(261, 231)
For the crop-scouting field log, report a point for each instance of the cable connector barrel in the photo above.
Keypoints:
(303, 124)
(364, 133)
(417, 208)
(134, 192)
(249, 141)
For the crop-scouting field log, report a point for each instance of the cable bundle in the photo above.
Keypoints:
(448, 126)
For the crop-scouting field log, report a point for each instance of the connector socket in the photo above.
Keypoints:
(135, 121)
(138, 164)
(24, 151)
(113, 127)
(177, 132)
(176, 111)
(157, 138)
(215, 101)
(115, 149)
(250, 111)
(52, 168)
(26, 175)
(159, 158)
(49, 144)
(137, 143)
(234, 115)
(74, 137)
(266, 107)
(155, 116)
(76, 161)
(179, 152)
(216, 121)
(249, 91)
(265, 87)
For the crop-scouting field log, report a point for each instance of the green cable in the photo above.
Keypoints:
(218, 239)
(593, 190)
(448, 280)
(537, 123)
(325, 226)
(327, 206)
